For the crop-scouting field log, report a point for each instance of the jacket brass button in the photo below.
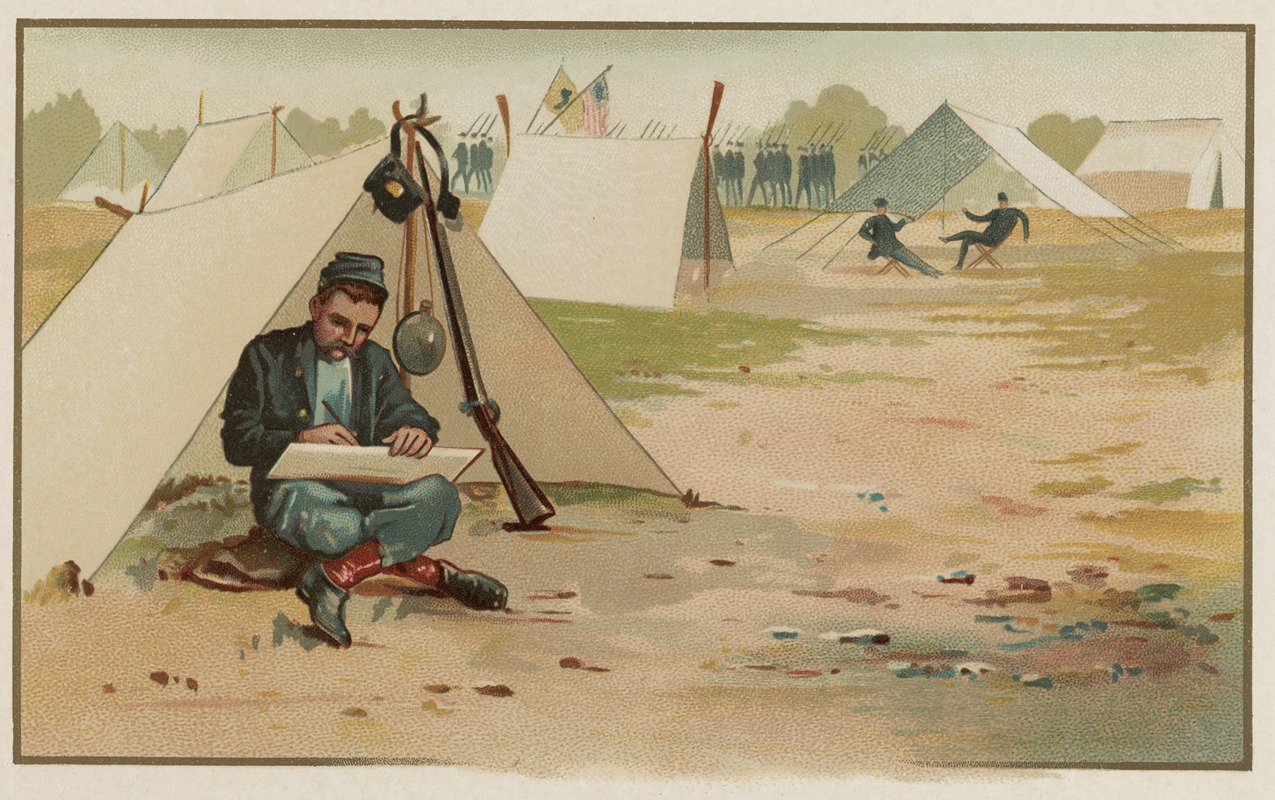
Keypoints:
(300, 372)
(302, 413)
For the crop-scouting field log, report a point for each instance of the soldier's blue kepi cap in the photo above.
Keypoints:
(1002, 196)
(880, 202)
(354, 268)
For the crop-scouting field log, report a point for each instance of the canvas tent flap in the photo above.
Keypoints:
(124, 383)
(948, 146)
(223, 156)
(1166, 163)
(99, 175)
(916, 175)
(600, 220)
(1151, 146)
(1047, 175)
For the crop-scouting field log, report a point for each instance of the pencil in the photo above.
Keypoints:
(337, 417)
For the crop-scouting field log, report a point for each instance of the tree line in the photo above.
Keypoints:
(58, 138)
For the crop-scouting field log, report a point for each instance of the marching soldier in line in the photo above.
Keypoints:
(786, 175)
(719, 174)
(832, 173)
(476, 158)
(740, 169)
(817, 182)
(759, 175)
(489, 158)
(768, 175)
(803, 176)
(461, 154)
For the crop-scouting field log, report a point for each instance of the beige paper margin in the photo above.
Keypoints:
(311, 783)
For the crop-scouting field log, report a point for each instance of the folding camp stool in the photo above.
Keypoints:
(891, 263)
(985, 254)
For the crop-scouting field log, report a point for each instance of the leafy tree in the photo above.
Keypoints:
(56, 140)
(327, 138)
(315, 137)
(363, 127)
(1065, 140)
(841, 113)
(163, 145)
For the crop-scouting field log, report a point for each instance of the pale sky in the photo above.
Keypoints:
(145, 76)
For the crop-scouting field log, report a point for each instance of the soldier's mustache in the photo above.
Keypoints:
(336, 345)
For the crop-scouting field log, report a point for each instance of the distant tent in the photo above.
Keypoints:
(179, 293)
(116, 169)
(1166, 163)
(957, 159)
(950, 148)
(221, 157)
(606, 220)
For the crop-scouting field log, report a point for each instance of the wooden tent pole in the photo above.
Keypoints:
(274, 136)
(201, 106)
(502, 103)
(146, 190)
(718, 88)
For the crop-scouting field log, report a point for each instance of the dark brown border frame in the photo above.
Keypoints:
(1250, 31)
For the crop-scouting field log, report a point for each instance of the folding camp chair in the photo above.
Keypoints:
(891, 263)
(985, 254)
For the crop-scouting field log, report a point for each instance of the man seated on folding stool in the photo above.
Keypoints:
(1001, 222)
(880, 230)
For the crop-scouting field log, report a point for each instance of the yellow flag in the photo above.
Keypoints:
(559, 97)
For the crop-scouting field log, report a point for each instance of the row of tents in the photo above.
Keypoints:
(224, 251)
(624, 220)
(218, 157)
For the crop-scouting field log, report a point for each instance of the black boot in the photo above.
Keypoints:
(473, 589)
(326, 601)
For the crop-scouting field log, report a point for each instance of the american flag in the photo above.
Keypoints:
(596, 99)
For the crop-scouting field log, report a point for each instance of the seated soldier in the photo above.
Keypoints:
(325, 382)
(1001, 222)
(880, 231)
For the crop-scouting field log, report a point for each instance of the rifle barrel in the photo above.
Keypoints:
(529, 502)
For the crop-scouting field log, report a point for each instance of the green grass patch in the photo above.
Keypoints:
(602, 494)
(1092, 485)
(1163, 309)
(1157, 492)
(631, 353)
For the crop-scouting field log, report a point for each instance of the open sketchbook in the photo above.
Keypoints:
(338, 462)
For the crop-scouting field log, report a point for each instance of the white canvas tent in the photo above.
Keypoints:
(116, 169)
(606, 220)
(221, 157)
(958, 159)
(951, 147)
(1151, 165)
(123, 385)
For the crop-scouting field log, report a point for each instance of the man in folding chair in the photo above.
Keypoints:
(880, 230)
(1001, 223)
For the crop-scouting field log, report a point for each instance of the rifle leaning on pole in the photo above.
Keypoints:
(529, 501)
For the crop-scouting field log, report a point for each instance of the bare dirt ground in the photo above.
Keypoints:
(1061, 441)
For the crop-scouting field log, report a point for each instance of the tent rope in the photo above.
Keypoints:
(947, 163)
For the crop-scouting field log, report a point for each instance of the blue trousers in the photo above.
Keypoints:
(909, 259)
(327, 519)
(965, 237)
